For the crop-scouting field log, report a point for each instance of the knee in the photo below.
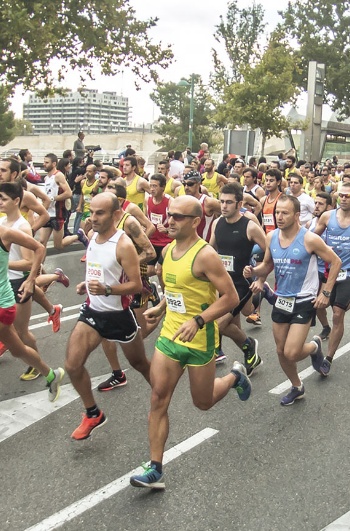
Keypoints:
(201, 404)
(290, 355)
(338, 316)
(72, 366)
(159, 400)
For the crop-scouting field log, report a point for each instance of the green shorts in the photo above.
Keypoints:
(85, 215)
(184, 355)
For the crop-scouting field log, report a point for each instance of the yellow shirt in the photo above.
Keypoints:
(133, 195)
(86, 191)
(211, 184)
(168, 186)
(186, 297)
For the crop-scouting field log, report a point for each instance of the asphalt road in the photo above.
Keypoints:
(249, 466)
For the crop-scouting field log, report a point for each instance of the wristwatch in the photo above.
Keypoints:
(199, 320)
(108, 290)
(326, 293)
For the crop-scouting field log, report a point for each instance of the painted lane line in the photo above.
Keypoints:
(40, 315)
(19, 413)
(281, 388)
(91, 500)
(341, 524)
(41, 325)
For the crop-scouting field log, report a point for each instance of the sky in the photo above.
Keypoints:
(188, 27)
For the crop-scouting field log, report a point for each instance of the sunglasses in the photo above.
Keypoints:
(189, 183)
(111, 186)
(345, 196)
(180, 217)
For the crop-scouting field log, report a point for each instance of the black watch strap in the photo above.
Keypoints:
(199, 320)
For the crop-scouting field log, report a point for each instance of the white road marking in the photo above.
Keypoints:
(19, 413)
(342, 524)
(40, 315)
(281, 388)
(91, 500)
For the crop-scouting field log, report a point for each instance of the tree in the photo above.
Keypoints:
(321, 30)
(267, 87)
(22, 127)
(174, 104)
(240, 35)
(7, 121)
(84, 35)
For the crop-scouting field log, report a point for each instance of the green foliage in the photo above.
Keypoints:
(84, 35)
(240, 34)
(267, 87)
(321, 30)
(7, 132)
(22, 127)
(174, 104)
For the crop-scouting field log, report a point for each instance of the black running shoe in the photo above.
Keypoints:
(112, 383)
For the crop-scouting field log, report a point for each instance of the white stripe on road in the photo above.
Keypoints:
(40, 315)
(281, 388)
(342, 524)
(19, 413)
(91, 500)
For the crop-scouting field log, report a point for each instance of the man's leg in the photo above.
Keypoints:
(60, 241)
(118, 378)
(136, 355)
(206, 390)
(337, 331)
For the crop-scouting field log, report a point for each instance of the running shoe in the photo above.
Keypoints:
(83, 258)
(220, 357)
(3, 348)
(55, 385)
(112, 383)
(150, 479)
(62, 278)
(55, 318)
(254, 318)
(317, 358)
(30, 374)
(326, 330)
(269, 294)
(252, 359)
(296, 393)
(87, 426)
(83, 238)
(242, 383)
(325, 367)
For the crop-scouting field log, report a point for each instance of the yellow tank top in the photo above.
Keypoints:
(133, 195)
(86, 191)
(24, 213)
(211, 184)
(122, 221)
(181, 190)
(186, 297)
(168, 189)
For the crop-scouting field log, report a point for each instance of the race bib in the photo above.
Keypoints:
(228, 262)
(156, 219)
(175, 302)
(268, 219)
(94, 271)
(286, 304)
(88, 198)
(341, 275)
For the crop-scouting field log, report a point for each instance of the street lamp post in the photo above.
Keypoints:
(184, 83)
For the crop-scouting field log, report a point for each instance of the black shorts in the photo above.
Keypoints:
(158, 249)
(118, 326)
(322, 278)
(54, 224)
(303, 313)
(340, 295)
(16, 283)
(244, 294)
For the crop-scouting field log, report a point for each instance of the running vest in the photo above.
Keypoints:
(295, 269)
(15, 253)
(211, 184)
(186, 297)
(168, 186)
(158, 214)
(133, 195)
(268, 214)
(320, 263)
(339, 240)
(204, 228)
(52, 189)
(125, 205)
(86, 191)
(233, 245)
(121, 223)
(102, 265)
(7, 298)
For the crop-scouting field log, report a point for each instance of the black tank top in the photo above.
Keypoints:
(232, 241)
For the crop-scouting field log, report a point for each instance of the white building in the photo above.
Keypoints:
(88, 110)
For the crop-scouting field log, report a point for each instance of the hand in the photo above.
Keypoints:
(152, 314)
(81, 288)
(26, 289)
(96, 288)
(257, 286)
(187, 331)
(321, 301)
(162, 229)
(248, 271)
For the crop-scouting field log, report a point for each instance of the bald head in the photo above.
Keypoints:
(187, 204)
(105, 201)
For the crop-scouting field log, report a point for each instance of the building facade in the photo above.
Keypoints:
(87, 110)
